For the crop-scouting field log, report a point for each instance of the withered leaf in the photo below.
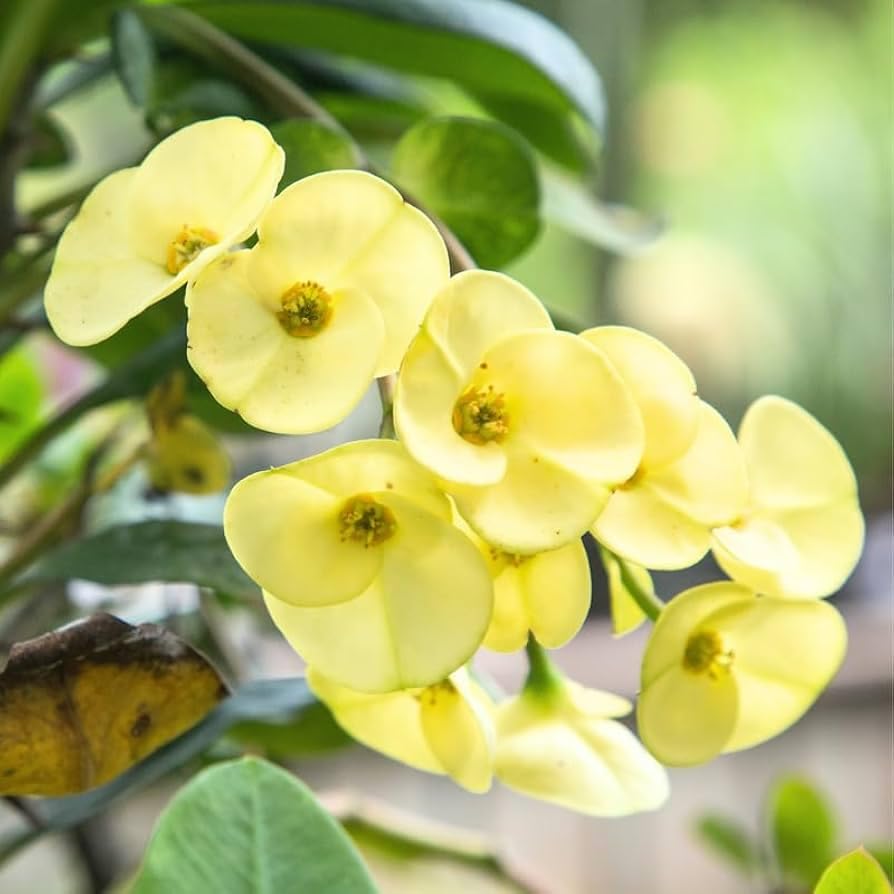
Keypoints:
(80, 705)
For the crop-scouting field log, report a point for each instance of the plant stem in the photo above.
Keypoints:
(650, 604)
(543, 677)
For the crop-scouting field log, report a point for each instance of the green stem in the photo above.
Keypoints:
(543, 676)
(386, 394)
(650, 604)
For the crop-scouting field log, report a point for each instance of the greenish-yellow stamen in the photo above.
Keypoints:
(480, 416)
(365, 521)
(306, 309)
(187, 245)
(707, 653)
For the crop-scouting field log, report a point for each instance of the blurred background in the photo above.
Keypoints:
(759, 133)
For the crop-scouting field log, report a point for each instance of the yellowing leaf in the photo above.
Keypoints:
(80, 705)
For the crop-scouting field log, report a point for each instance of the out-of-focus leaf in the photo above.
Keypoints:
(247, 827)
(312, 147)
(728, 840)
(802, 830)
(854, 873)
(491, 47)
(614, 227)
(21, 397)
(884, 854)
(371, 117)
(172, 551)
(50, 145)
(207, 98)
(81, 705)
(133, 52)
(479, 177)
(268, 700)
(312, 730)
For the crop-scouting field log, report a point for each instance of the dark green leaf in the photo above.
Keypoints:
(50, 144)
(206, 98)
(729, 841)
(371, 117)
(312, 147)
(313, 731)
(134, 54)
(802, 830)
(149, 551)
(491, 47)
(260, 700)
(248, 827)
(854, 873)
(479, 177)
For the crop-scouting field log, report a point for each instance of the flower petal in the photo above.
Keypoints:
(98, 282)
(275, 381)
(509, 623)
(284, 532)
(422, 617)
(217, 175)
(626, 614)
(427, 390)
(662, 385)
(388, 723)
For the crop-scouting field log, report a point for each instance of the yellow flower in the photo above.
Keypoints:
(525, 426)
(143, 232)
(692, 475)
(364, 573)
(444, 728)
(184, 455)
(291, 333)
(802, 532)
(726, 669)
(558, 742)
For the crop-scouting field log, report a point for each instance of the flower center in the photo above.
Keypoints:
(480, 416)
(706, 653)
(187, 245)
(306, 309)
(366, 521)
(431, 695)
(514, 559)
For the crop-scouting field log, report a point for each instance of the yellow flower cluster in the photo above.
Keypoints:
(388, 563)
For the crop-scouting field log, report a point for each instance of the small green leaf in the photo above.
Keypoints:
(312, 147)
(479, 177)
(247, 827)
(729, 841)
(50, 144)
(854, 873)
(21, 397)
(149, 551)
(802, 830)
(133, 53)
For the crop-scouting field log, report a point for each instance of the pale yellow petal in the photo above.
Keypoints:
(594, 703)
(475, 310)
(537, 506)
(285, 534)
(626, 614)
(217, 175)
(388, 723)
(793, 461)
(785, 653)
(427, 390)
(459, 731)
(421, 618)
(685, 718)
(509, 623)
(275, 381)
(662, 385)
(565, 403)
(98, 282)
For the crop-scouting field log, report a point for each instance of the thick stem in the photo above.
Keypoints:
(543, 676)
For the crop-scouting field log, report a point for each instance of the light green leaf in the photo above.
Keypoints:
(21, 397)
(729, 841)
(854, 873)
(479, 177)
(884, 853)
(133, 53)
(312, 147)
(491, 47)
(802, 830)
(247, 827)
(149, 551)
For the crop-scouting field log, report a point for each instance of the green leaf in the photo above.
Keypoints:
(854, 873)
(171, 551)
(802, 830)
(729, 841)
(490, 47)
(371, 117)
(198, 100)
(50, 144)
(247, 827)
(133, 52)
(479, 177)
(313, 731)
(312, 147)
(884, 853)
(21, 397)
(268, 700)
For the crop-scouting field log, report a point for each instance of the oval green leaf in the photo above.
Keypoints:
(133, 53)
(247, 827)
(854, 873)
(312, 147)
